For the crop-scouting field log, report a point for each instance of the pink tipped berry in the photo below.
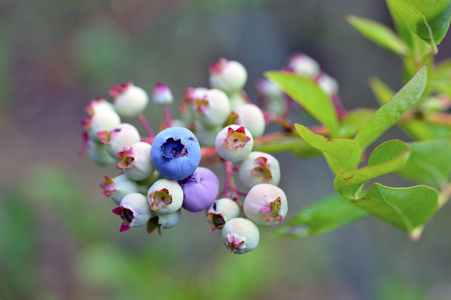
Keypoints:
(251, 117)
(165, 196)
(234, 143)
(303, 65)
(162, 94)
(129, 100)
(265, 205)
(212, 109)
(221, 211)
(101, 120)
(97, 105)
(123, 135)
(133, 210)
(240, 235)
(118, 187)
(259, 167)
(228, 75)
(135, 161)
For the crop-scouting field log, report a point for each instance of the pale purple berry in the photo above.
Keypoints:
(304, 65)
(162, 94)
(212, 108)
(265, 205)
(221, 211)
(129, 100)
(240, 235)
(163, 221)
(259, 167)
(228, 75)
(118, 187)
(133, 210)
(123, 135)
(135, 161)
(200, 189)
(251, 117)
(234, 143)
(165, 196)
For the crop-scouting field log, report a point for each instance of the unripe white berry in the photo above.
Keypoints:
(221, 211)
(259, 167)
(133, 210)
(240, 235)
(129, 100)
(118, 187)
(165, 197)
(234, 143)
(251, 117)
(212, 109)
(136, 162)
(228, 75)
(162, 94)
(123, 135)
(328, 84)
(99, 154)
(304, 65)
(265, 205)
(102, 120)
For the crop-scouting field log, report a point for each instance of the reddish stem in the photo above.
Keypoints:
(167, 115)
(146, 125)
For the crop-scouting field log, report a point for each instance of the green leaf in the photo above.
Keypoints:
(407, 208)
(379, 34)
(387, 115)
(354, 120)
(429, 19)
(294, 144)
(328, 213)
(381, 91)
(386, 158)
(429, 162)
(341, 154)
(306, 92)
(425, 130)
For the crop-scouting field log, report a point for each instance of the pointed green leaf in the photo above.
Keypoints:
(429, 19)
(354, 120)
(381, 91)
(379, 34)
(306, 92)
(329, 213)
(386, 158)
(341, 154)
(391, 112)
(407, 208)
(425, 130)
(429, 162)
(296, 145)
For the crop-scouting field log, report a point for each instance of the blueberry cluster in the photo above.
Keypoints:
(160, 174)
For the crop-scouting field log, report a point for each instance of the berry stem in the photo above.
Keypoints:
(167, 115)
(146, 125)
(228, 178)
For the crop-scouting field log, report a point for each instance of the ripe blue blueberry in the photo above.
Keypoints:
(175, 153)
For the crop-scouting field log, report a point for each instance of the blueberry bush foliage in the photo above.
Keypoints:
(162, 174)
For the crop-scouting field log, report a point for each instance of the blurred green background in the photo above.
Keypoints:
(58, 237)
